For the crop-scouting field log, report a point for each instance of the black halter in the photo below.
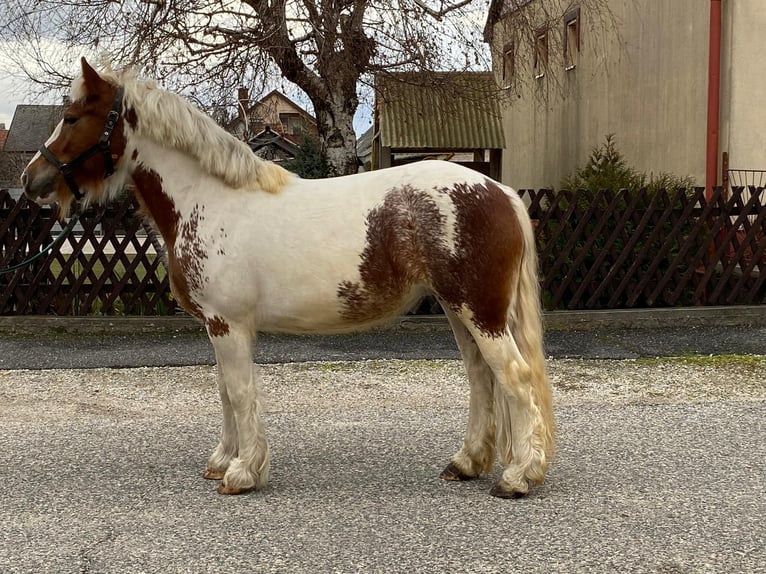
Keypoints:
(102, 147)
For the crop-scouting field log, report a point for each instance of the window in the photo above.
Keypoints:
(291, 124)
(571, 39)
(509, 64)
(541, 52)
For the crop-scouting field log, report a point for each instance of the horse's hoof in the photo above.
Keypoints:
(213, 474)
(223, 489)
(454, 474)
(501, 490)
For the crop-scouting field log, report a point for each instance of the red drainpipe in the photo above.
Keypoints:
(713, 97)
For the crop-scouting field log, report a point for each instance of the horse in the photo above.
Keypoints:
(252, 248)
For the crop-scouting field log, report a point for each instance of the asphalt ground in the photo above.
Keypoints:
(660, 468)
(49, 350)
(660, 464)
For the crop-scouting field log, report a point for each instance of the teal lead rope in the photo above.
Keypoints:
(64, 232)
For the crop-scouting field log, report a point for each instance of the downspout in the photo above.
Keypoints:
(713, 98)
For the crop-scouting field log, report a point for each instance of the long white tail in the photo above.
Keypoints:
(525, 322)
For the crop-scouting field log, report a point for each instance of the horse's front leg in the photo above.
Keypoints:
(228, 445)
(242, 457)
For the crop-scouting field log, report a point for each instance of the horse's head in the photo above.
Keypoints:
(85, 147)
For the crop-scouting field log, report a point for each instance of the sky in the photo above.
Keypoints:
(14, 92)
(10, 96)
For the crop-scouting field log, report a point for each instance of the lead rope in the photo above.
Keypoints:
(64, 232)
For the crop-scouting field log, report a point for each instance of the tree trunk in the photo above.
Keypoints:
(337, 139)
(343, 53)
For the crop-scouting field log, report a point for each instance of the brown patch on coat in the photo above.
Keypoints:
(393, 259)
(406, 246)
(161, 209)
(131, 118)
(155, 203)
(487, 259)
(192, 257)
(217, 326)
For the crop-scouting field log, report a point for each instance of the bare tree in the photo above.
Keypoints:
(329, 48)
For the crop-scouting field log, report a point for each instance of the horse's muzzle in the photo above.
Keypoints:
(39, 188)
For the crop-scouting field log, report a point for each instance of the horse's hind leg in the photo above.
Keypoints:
(478, 451)
(243, 452)
(523, 436)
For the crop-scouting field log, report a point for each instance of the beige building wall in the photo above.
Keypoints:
(647, 84)
(743, 84)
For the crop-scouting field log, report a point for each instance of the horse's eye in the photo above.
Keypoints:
(70, 120)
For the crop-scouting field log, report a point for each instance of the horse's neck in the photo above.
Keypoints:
(177, 169)
(169, 183)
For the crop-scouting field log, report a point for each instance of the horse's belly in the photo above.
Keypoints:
(328, 314)
(290, 313)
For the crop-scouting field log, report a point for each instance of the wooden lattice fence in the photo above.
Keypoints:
(109, 265)
(598, 250)
(607, 250)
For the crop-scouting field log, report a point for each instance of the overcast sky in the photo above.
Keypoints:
(13, 91)
(11, 94)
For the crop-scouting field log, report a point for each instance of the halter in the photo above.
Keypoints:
(102, 147)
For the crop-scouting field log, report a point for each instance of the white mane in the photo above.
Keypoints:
(168, 119)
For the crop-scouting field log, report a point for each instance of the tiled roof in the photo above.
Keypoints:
(31, 127)
(364, 143)
(452, 111)
(271, 138)
(3, 137)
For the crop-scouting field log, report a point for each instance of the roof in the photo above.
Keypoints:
(497, 9)
(268, 137)
(257, 119)
(3, 137)
(11, 166)
(441, 111)
(364, 143)
(31, 126)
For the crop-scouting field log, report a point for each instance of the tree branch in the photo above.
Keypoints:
(439, 14)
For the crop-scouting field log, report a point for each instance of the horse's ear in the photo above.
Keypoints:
(90, 76)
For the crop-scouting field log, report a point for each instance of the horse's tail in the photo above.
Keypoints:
(526, 326)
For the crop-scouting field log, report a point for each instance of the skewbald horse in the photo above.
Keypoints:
(253, 248)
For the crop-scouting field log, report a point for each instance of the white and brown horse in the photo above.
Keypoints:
(253, 248)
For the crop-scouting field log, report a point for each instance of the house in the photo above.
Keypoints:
(676, 82)
(275, 125)
(30, 128)
(273, 146)
(7, 168)
(3, 136)
(445, 115)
